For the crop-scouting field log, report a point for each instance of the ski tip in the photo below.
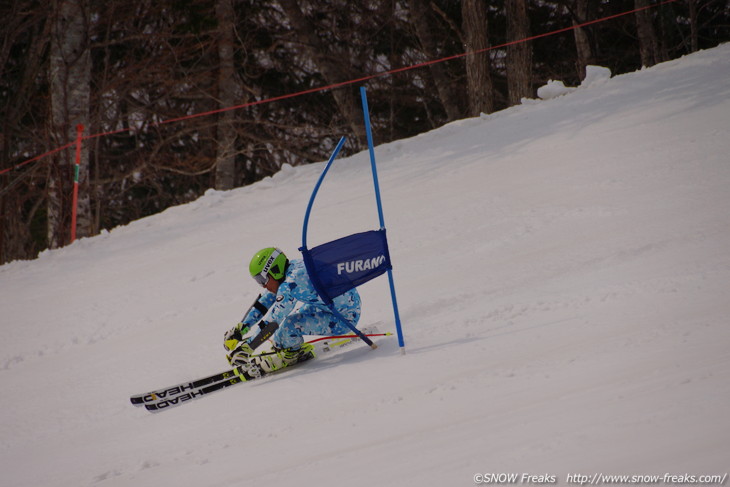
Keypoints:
(373, 346)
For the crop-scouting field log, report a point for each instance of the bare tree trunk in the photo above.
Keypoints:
(70, 75)
(225, 174)
(648, 44)
(478, 78)
(694, 36)
(582, 43)
(418, 11)
(519, 56)
(331, 70)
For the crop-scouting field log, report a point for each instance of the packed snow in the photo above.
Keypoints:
(595, 75)
(563, 275)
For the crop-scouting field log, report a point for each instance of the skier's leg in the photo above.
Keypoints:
(348, 305)
(318, 320)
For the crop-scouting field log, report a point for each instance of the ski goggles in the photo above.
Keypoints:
(261, 279)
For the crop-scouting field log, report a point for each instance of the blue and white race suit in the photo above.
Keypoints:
(299, 310)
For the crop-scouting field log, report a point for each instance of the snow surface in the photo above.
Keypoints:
(595, 75)
(562, 270)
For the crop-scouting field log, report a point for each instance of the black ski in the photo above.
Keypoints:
(244, 373)
(182, 388)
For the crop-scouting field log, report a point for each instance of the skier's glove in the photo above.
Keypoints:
(234, 336)
(240, 355)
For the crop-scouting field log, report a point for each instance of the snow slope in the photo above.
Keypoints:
(562, 270)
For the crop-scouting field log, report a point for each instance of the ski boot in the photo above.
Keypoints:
(284, 357)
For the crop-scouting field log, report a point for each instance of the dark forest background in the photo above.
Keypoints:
(133, 70)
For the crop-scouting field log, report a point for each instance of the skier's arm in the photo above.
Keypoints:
(258, 309)
(252, 317)
(284, 304)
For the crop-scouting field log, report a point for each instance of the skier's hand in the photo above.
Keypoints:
(241, 354)
(234, 336)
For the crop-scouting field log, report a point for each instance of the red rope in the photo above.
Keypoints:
(24, 163)
(337, 337)
(350, 82)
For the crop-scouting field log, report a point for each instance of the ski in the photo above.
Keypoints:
(239, 374)
(181, 389)
(178, 394)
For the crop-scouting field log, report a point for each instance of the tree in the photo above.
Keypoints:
(225, 175)
(419, 12)
(580, 15)
(24, 43)
(519, 56)
(648, 43)
(69, 73)
(694, 37)
(329, 65)
(478, 78)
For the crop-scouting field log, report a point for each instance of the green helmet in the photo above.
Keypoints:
(268, 262)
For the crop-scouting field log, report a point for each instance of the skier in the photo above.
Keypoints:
(289, 308)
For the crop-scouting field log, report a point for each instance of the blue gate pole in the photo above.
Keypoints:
(316, 189)
(369, 133)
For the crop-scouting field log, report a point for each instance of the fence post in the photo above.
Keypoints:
(75, 202)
